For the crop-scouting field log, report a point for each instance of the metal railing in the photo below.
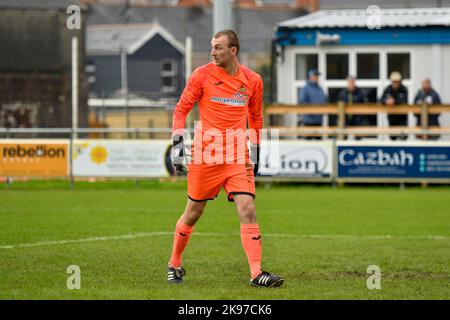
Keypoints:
(137, 133)
(339, 131)
(104, 133)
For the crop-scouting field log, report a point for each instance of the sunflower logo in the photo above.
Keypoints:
(99, 154)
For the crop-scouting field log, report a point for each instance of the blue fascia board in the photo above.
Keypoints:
(365, 36)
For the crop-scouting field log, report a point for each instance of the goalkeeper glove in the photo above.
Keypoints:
(178, 154)
(254, 155)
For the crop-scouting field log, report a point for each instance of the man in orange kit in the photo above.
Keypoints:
(229, 96)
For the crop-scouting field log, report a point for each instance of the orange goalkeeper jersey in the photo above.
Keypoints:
(226, 104)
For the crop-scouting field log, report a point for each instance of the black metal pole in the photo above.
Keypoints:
(72, 183)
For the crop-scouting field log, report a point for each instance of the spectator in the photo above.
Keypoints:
(353, 95)
(312, 93)
(394, 94)
(95, 123)
(428, 95)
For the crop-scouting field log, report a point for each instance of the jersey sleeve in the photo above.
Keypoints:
(255, 115)
(191, 94)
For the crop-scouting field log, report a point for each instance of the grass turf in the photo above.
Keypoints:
(320, 239)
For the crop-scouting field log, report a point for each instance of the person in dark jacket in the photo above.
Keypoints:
(353, 95)
(394, 94)
(312, 93)
(428, 95)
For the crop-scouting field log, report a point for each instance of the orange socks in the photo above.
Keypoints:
(181, 239)
(250, 237)
(251, 241)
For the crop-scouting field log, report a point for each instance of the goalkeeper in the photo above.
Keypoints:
(229, 96)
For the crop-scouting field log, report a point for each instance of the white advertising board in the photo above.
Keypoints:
(120, 158)
(296, 158)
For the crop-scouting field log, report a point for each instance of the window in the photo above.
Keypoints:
(168, 75)
(368, 65)
(399, 62)
(304, 63)
(167, 66)
(167, 82)
(337, 66)
(90, 69)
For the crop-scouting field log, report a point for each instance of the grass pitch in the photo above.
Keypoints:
(320, 239)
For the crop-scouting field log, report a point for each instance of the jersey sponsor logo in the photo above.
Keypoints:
(241, 96)
(239, 100)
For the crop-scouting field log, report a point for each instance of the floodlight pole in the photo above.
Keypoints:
(221, 15)
(124, 76)
(188, 57)
(74, 86)
(188, 68)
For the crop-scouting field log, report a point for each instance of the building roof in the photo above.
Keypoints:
(419, 17)
(385, 4)
(113, 38)
(256, 28)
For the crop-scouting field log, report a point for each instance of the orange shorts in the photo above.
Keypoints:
(205, 181)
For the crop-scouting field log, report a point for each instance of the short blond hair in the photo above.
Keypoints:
(233, 39)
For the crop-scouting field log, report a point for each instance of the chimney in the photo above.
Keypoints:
(310, 5)
(245, 3)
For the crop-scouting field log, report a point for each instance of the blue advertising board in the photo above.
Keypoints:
(385, 161)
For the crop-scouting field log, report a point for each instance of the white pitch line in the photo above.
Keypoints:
(91, 239)
(169, 233)
(350, 236)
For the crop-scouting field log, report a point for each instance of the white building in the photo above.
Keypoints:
(368, 44)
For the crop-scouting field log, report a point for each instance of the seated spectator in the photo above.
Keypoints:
(429, 96)
(396, 93)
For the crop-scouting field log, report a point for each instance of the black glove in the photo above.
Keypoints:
(178, 154)
(254, 155)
